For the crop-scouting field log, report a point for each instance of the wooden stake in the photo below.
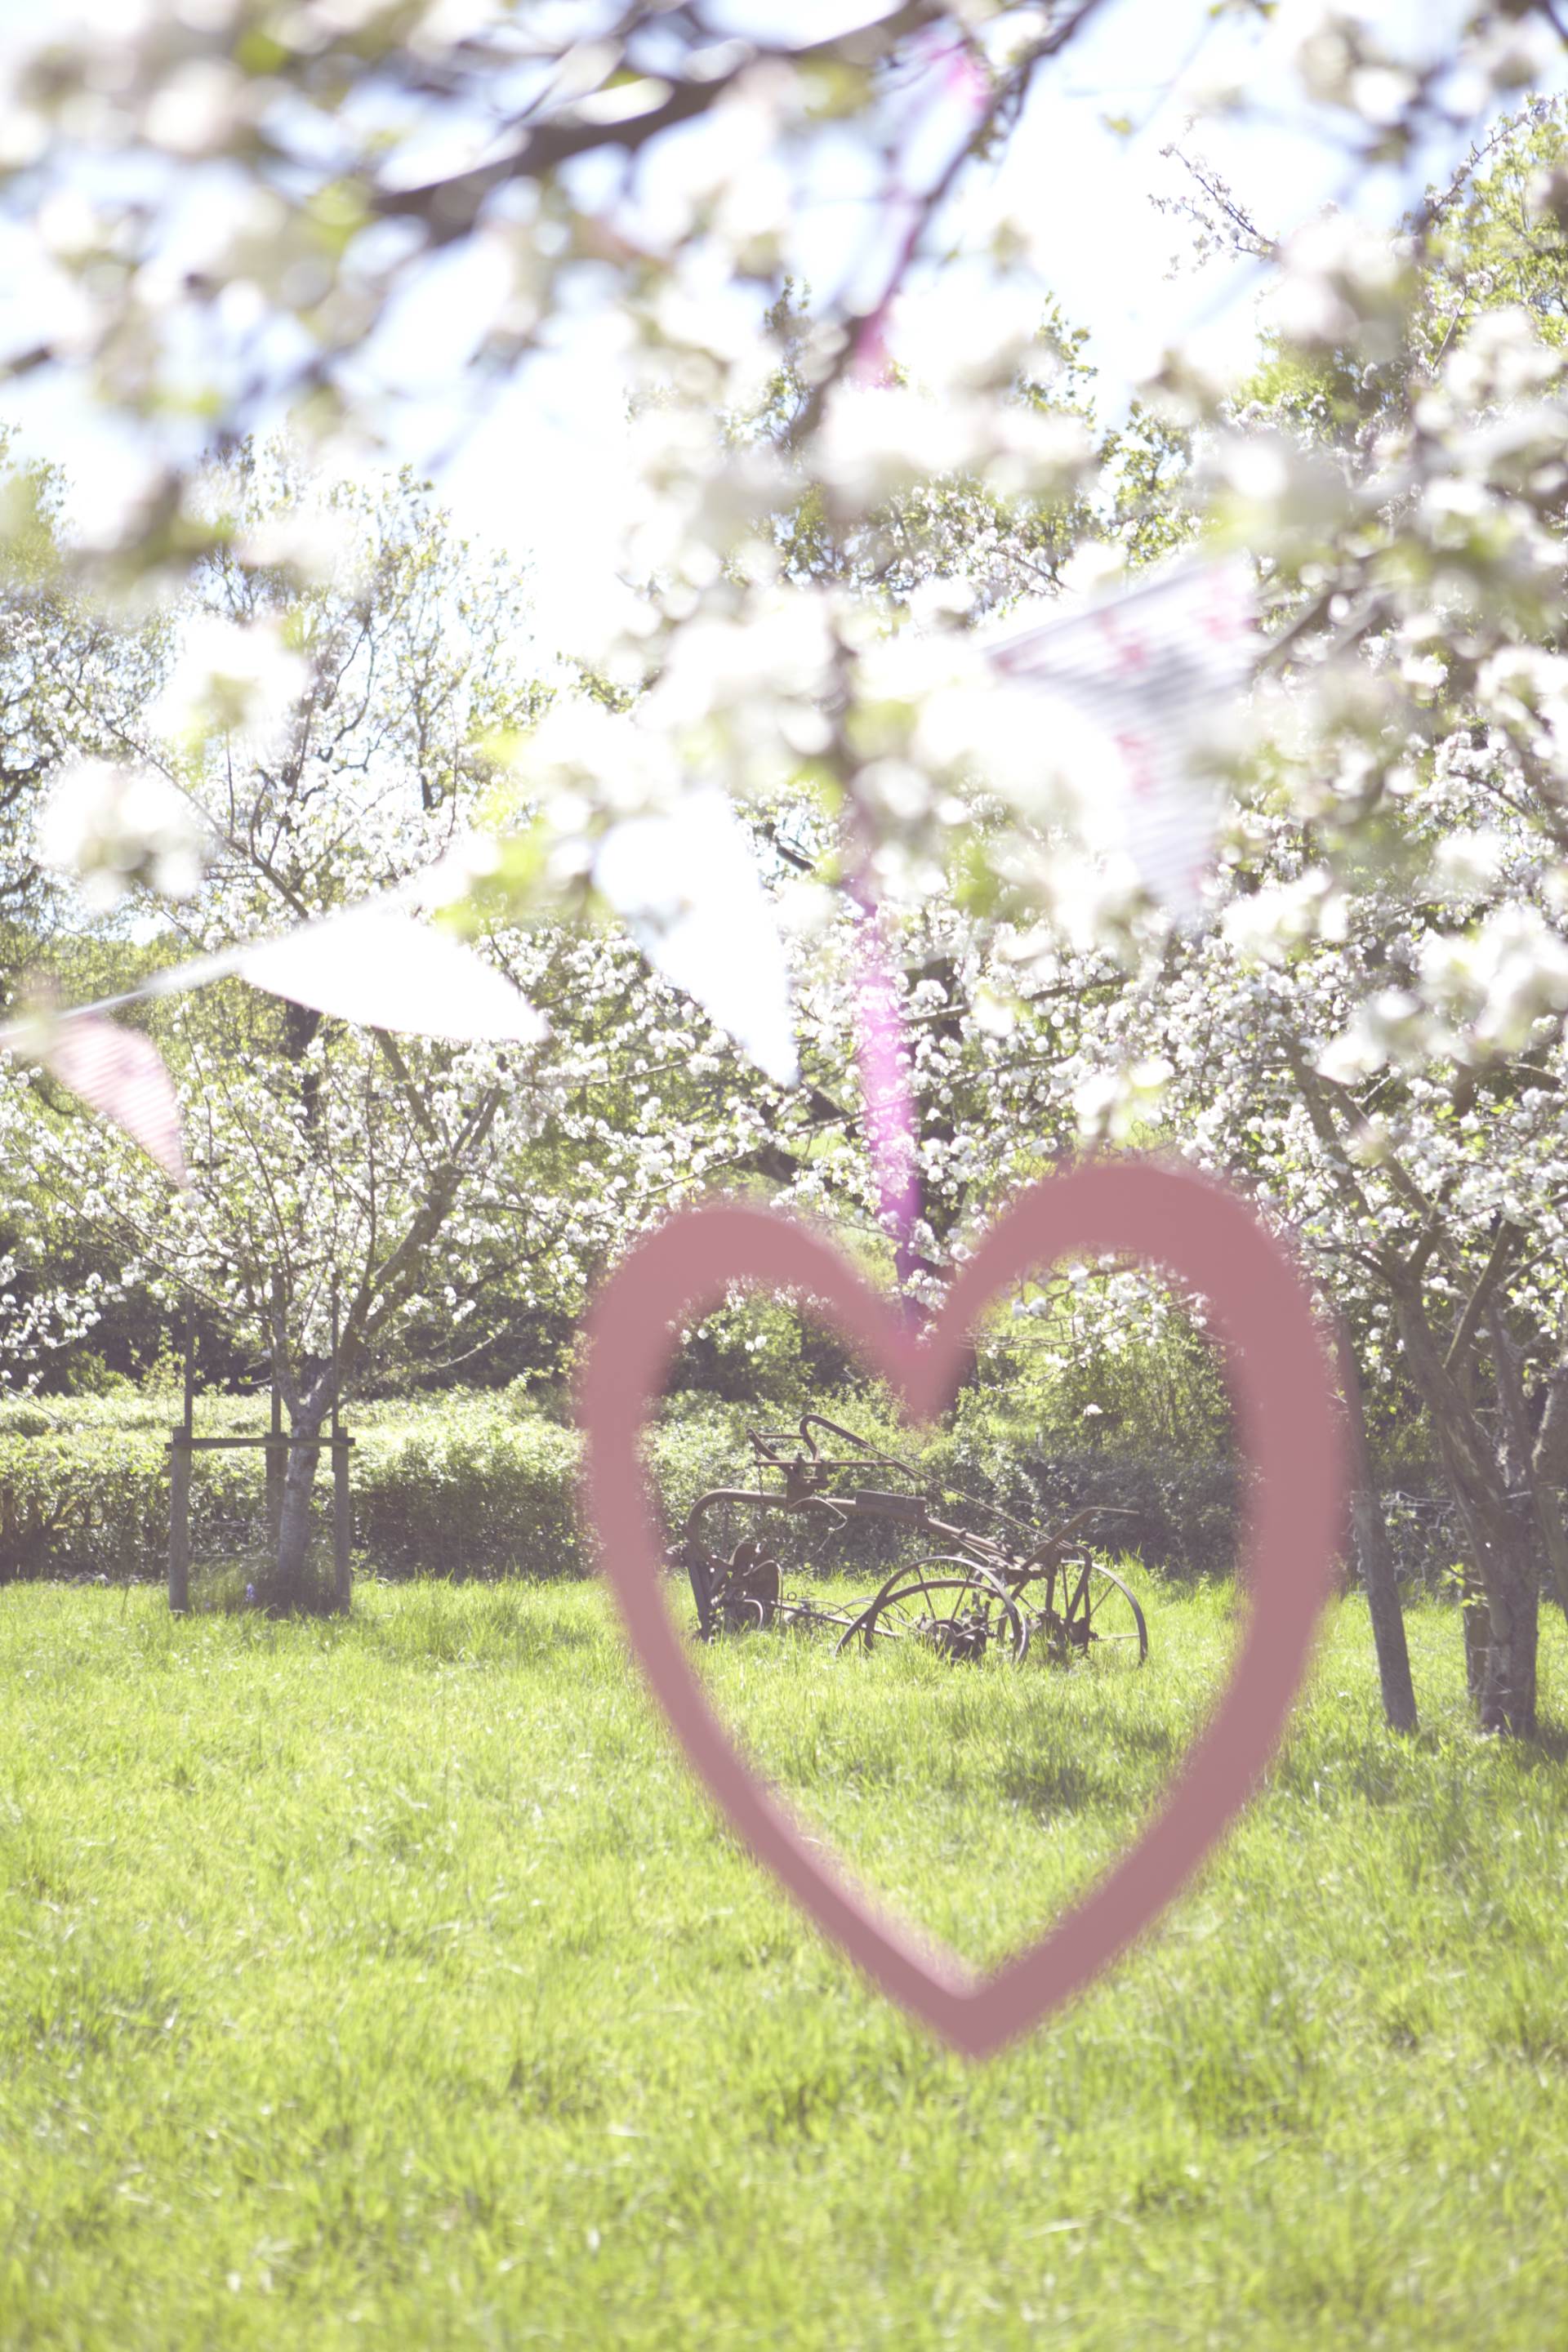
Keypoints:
(276, 1466)
(180, 1484)
(342, 1525)
(342, 1516)
(180, 1522)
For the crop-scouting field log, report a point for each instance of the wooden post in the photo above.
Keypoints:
(180, 1486)
(342, 1518)
(180, 1522)
(342, 1524)
(277, 1468)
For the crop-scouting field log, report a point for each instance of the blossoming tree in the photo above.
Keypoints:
(1398, 485)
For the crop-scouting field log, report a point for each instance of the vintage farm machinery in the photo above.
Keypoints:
(963, 1589)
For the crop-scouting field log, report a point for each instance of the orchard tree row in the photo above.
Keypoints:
(326, 694)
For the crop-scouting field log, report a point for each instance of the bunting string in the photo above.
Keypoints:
(1146, 670)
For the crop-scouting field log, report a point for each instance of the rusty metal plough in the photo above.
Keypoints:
(964, 1593)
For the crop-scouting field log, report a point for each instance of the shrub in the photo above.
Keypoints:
(473, 1483)
(95, 1501)
(470, 1492)
(699, 1443)
(466, 1486)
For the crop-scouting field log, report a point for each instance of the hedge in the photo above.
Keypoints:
(471, 1484)
(470, 1495)
(96, 1503)
(468, 1488)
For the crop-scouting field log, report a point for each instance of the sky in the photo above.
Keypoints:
(542, 471)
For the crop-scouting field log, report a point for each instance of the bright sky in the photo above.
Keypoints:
(542, 472)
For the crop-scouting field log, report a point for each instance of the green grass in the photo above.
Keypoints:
(389, 1984)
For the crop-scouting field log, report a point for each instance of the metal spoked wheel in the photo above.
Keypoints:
(961, 1610)
(1090, 1612)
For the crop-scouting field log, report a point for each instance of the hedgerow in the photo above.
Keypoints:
(478, 1484)
(468, 1485)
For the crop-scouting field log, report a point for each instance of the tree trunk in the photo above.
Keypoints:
(1473, 1619)
(1549, 1476)
(285, 1586)
(1512, 1582)
(1501, 1633)
(380, 1287)
(1501, 1637)
(1370, 1536)
(1514, 1613)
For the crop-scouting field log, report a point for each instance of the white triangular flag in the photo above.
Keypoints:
(123, 1075)
(1150, 672)
(388, 970)
(687, 886)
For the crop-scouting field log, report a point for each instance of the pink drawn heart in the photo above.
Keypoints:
(1168, 1217)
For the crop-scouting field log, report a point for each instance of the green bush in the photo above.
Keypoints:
(95, 1501)
(757, 1351)
(468, 1485)
(117, 1411)
(471, 1491)
(474, 1485)
(699, 1443)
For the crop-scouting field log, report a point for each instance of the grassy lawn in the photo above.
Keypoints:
(389, 1984)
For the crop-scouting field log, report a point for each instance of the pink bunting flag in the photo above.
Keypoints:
(388, 970)
(123, 1076)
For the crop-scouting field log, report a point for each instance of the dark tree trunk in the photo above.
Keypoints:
(1369, 1535)
(285, 1586)
(1548, 1476)
(1501, 1632)
(1500, 1635)
(1513, 1620)
(1500, 1647)
(1511, 1528)
(1473, 1617)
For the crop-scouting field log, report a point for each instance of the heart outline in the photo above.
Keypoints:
(1166, 1216)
